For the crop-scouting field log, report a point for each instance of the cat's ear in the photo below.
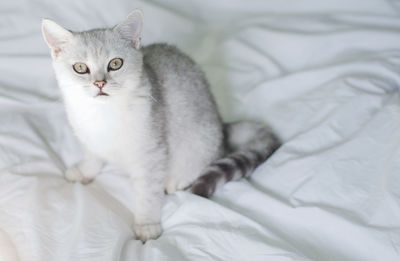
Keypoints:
(55, 35)
(131, 28)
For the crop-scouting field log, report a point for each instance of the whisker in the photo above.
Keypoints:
(154, 99)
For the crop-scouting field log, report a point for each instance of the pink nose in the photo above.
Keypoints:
(100, 84)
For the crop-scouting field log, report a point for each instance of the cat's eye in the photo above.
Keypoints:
(115, 64)
(80, 68)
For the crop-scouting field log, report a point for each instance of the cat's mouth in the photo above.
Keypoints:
(101, 93)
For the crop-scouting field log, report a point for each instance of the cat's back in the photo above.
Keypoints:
(182, 82)
(164, 58)
(174, 68)
(190, 109)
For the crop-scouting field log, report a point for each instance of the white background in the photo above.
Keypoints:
(323, 74)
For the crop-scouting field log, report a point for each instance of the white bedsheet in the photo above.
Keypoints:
(324, 74)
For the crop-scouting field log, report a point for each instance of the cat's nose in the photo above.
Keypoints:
(100, 84)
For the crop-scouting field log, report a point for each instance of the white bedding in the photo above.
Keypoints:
(324, 74)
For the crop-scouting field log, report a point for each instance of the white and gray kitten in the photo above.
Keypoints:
(148, 110)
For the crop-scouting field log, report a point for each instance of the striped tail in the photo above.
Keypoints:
(248, 145)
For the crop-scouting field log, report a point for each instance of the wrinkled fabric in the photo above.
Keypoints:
(323, 74)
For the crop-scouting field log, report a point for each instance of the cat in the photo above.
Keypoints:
(148, 110)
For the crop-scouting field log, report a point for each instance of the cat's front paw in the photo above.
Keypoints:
(73, 174)
(145, 232)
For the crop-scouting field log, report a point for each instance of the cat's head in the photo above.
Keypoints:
(99, 63)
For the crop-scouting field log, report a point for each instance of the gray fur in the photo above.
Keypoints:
(158, 121)
(248, 144)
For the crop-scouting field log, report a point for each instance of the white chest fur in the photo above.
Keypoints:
(108, 129)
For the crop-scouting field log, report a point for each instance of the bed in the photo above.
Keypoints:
(324, 75)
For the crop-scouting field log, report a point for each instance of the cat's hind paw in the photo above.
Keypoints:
(172, 185)
(145, 232)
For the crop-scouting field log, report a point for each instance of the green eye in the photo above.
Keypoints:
(115, 64)
(80, 68)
